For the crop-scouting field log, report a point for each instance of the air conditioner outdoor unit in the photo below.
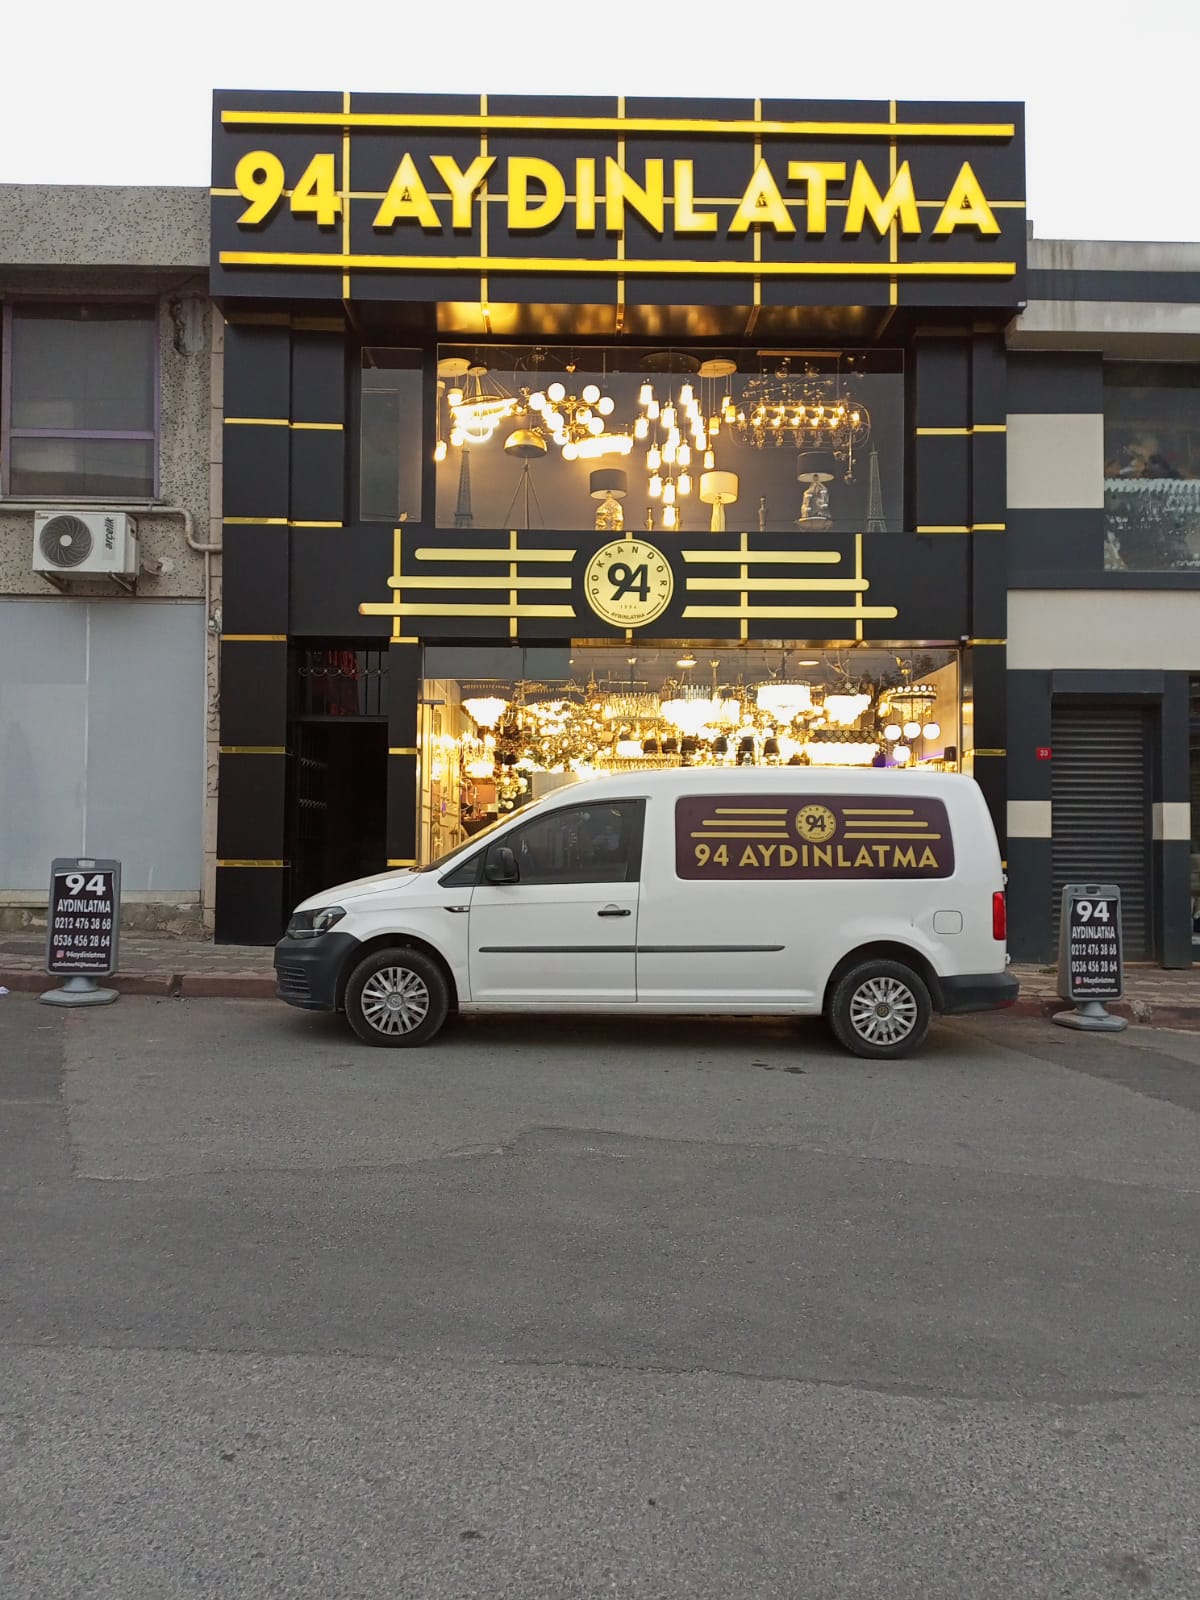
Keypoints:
(86, 544)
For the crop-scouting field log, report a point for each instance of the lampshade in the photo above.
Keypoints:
(608, 480)
(816, 466)
(718, 488)
(525, 444)
(784, 698)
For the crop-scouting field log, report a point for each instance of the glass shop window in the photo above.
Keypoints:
(390, 447)
(79, 418)
(671, 440)
(1151, 467)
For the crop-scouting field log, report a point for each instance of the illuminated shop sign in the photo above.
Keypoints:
(339, 185)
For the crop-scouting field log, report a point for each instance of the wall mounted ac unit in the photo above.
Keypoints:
(86, 544)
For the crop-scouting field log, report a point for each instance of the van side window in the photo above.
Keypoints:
(466, 874)
(580, 844)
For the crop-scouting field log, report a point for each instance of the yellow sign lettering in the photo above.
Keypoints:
(866, 201)
(407, 200)
(966, 207)
(788, 855)
(928, 859)
(687, 218)
(620, 190)
(906, 857)
(315, 194)
(462, 185)
(525, 212)
(585, 195)
(259, 179)
(863, 858)
(816, 176)
(762, 205)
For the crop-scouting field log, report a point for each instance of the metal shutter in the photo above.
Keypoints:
(1101, 816)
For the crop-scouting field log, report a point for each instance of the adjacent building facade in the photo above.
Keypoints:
(530, 439)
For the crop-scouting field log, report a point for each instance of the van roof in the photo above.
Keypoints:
(810, 780)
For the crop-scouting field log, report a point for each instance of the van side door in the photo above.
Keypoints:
(554, 915)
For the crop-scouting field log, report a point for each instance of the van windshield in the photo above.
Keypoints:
(467, 845)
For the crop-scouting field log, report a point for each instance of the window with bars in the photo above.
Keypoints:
(80, 401)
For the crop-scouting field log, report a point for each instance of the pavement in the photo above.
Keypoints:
(164, 964)
(554, 1308)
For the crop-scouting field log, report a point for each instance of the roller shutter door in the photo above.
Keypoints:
(1101, 816)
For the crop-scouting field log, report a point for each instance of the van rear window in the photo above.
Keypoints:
(742, 837)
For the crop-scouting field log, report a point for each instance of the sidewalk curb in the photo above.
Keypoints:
(261, 986)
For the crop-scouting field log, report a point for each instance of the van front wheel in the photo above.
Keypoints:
(397, 997)
(881, 1010)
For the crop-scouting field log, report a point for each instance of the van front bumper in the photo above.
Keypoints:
(308, 971)
(980, 991)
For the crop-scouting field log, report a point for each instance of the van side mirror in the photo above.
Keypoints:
(501, 866)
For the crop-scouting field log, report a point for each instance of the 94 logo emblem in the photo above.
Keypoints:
(629, 583)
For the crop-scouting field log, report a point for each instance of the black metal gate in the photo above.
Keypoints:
(1101, 816)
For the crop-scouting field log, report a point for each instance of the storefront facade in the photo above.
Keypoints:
(598, 435)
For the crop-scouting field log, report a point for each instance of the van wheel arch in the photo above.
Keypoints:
(884, 950)
(394, 941)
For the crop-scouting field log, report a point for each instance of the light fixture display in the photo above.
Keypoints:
(485, 709)
(478, 404)
(809, 410)
(576, 422)
(784, 698)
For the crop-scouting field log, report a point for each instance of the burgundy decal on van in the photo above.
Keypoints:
(888, 835)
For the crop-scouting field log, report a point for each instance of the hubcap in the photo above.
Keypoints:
(395, 1000)
(883, 1011)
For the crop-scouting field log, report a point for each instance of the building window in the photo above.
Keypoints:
(1151, 467)
(390, 449)
(80, 401)
(669, 440)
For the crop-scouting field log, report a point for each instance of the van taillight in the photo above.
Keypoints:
(999, 916)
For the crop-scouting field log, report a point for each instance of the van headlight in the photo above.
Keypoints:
(312, 924)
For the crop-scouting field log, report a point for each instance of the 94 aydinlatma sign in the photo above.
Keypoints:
(84, 916)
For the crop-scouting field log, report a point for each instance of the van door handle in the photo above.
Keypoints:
(614, 911)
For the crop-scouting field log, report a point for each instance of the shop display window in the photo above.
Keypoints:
(671, 440)
(1151, 467)
(389, 483)
(504, 725)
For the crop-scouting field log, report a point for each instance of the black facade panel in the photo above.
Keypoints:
(1171, 864)
(255, 475)
(989, 378)
(989, 586)
(941, 377)
(253, 692)
(989, 673)
(989, 485)
(252, 904)
(990, 775)
(318, 465)
(334, 571)
(1030, 915)
(943, 487)
(1046, 547)
(1054, 382)
(318, 376)
(255, 579)
(257, 377)
(251, 818)
(1162, 288)
(1029, 721)
(924, 577)
(404, 682)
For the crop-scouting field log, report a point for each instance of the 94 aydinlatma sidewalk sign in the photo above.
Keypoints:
(82, 928)
(1090, 968)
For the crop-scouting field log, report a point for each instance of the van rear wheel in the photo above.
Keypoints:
(397, 997)
(880, 1010)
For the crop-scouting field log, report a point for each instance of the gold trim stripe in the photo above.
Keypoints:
(454, 553)
(253, 749)
(776, 585)
(282, 422)
(978, 752)
(402, 750)
(400, 609)
(276, 522)
(666, 125)
(960, 433)
(509, 582)
(826, 558)
(221, 863)
(256, 638)
(788, 613)
(974, 527)
(311, 259)
(402, 861)
(987, 641)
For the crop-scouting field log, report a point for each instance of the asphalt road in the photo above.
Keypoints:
(560, 1308)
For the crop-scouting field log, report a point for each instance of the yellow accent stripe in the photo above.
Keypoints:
(959, 433)
(975, 527)
(253, 750)
(402, 750)
(666, 268)
(402, 861)
(987, 641)
(400, 609)
(672, 125)
(251, 863)
(257, 638)
(978, 752)
(245, 522)
(282, 422)
(790, 612)
(826, 558)
(454, 553)
(775, 585)
(300, 523)
(510, 582)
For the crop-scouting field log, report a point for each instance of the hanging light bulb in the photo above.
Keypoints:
(652, 409)
(654, 458)
(685, 483)
(645, 394)
(454, 397)
(670, 517)
(591, 393)
(710, 460)
(641, 428)
(912, 730)
(684, 452)
(439, 450)
(669, 415)
(670, 451)
(457, 437)
(655, 487)
(556, 392)
(604, 405)
(668, 493)
(686, 395)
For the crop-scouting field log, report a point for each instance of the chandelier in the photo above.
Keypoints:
(676, 435)
(807, 410)
(783, 698)
(478, 403)
(909, 711)
(576, 422)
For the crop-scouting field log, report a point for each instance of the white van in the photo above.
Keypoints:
(875, 897)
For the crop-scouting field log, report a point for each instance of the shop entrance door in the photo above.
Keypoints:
(1101, 809)
(337, 803)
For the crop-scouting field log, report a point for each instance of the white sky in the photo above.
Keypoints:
(118, 91)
